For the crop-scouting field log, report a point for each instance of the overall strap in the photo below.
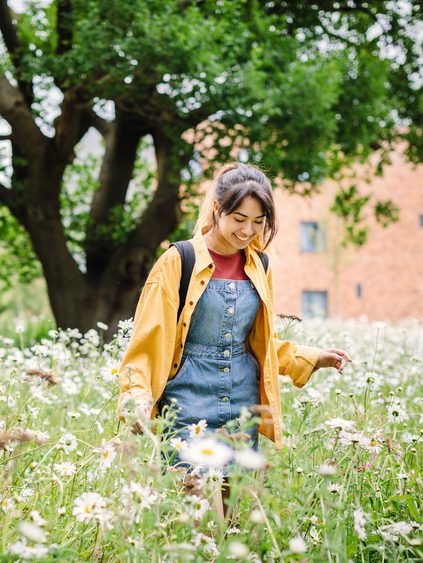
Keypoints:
(187, 252)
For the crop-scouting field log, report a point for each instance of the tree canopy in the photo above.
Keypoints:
(302, 89)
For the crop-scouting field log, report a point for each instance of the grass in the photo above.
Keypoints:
(346, 486)
(25, 314)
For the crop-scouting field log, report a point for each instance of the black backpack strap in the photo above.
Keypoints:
(264, 260)
(187, 252)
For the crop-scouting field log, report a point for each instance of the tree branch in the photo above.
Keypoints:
(64, 27)
(115, 175)
(73, 122)
(131, 260)
(103, 126)
(14, 109)
(151, 230)
(15, 48)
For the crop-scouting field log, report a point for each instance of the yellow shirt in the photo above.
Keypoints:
(155, 348)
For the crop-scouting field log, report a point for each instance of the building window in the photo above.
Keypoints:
(312, 237)
(359, 290)
(421, 219)
(315, 304)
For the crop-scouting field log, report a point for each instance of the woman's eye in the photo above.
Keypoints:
(239, 220)
(259, 222)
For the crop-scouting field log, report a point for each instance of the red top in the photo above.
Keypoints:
(229, 267)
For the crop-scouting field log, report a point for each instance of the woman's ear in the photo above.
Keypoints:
(216, 207)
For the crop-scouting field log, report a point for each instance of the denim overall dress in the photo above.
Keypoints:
(217, 375)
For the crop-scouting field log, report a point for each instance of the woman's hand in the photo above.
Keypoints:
(136, 411)
(333, 358)
(143, 412)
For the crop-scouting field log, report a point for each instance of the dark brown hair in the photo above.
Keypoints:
(233, 184)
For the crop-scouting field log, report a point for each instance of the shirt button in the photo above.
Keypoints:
(228, 336)
(224, 399)
(202, 282)
(226, 353)
(226, 370)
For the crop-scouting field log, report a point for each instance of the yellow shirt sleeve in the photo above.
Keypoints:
(147, 361)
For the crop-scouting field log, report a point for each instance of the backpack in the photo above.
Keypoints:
(186, 250)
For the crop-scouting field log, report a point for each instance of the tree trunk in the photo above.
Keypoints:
(79, 300)
(115, 272)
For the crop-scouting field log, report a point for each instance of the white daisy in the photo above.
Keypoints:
(208, 452)
(68, 442)
(250, 459)
(65, 469)
(392, 532)
(196, 506)
(238, 550)
(198, 430)
(396, 413)
(214, 477)
(107, 455)
(135, 499)
(340, 424)
(335, 488)
(89, 507)
(374, 445)
(326, 470)
(178, 443)
(27, 552)
(297, 545)
(257, 516)
(33, 532)
(7, 504)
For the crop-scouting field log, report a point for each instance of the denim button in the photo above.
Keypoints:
(228, 336)
(231, 310)
(231, 286)
(226, 353)
(226, 370)
(224, 399)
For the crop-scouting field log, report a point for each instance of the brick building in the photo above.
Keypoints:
(383, 280)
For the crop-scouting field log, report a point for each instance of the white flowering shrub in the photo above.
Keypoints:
(76, 484)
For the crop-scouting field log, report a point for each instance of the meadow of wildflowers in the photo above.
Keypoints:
(77, 485)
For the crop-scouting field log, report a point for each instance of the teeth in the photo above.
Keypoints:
(242, 238)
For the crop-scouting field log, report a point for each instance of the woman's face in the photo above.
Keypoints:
(236, 230)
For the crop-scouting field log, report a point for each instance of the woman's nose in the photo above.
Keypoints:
(248, 230)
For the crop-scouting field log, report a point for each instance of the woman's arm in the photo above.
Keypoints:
(147, 361)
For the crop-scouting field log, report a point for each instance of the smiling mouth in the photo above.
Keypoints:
(242, 239)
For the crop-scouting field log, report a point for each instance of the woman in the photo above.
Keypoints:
(222, 353)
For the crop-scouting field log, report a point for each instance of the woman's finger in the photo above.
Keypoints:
(341, 353)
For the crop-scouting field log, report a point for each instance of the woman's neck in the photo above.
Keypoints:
(217, 244)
